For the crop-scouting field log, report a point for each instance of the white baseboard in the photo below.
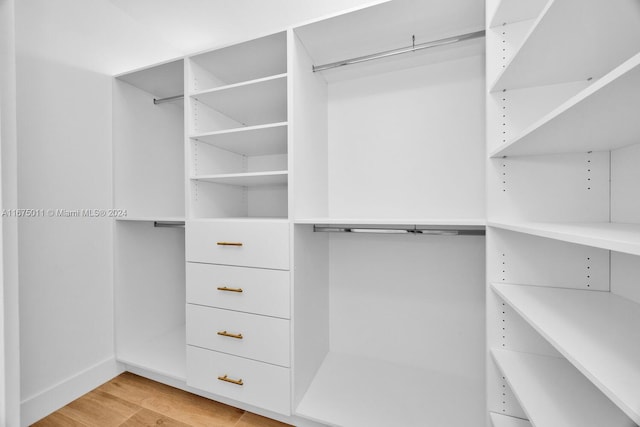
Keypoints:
(42, 404)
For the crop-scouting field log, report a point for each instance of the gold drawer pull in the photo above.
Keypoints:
(224, 288)
(230, 380)
(229, 244)
(227, 334)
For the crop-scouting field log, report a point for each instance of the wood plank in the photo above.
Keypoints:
(58, 419)
(145, 417)
(98, 408)
(253, 420)
(172, 402)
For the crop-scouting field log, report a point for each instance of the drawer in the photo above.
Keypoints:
(262, 385)
(252, 290)
(243, 243)
(248, 335)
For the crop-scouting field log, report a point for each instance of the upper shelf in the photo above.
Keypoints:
(618, 237)
(553, 393)
(505, 421)
(602, 117)
(569, 42)
(255, 102)
(250, 179)
(162, 81)
(251, 60)
(249, 141)
(596, 331)
(510, 11)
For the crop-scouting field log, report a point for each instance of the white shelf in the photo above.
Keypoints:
(162, 80)
(164, 355)
(245, 61)
(510, 11)
(152, 218)
(552, 393)
(618, 237)
(573, 40)
(505, 421)
(599, 332)
(249, 141)
(251, 179)
(475, 223)
(355, 391)
(602, 117)
(251, 103)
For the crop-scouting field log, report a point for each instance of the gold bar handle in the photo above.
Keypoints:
(229, 244)
(227, 334)
(231, 380)
(224, 288)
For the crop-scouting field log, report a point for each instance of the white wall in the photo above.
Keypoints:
(66, 52)
(9, 337)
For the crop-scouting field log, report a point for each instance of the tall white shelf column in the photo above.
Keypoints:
(563, 220)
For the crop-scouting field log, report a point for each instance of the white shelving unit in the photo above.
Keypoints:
(238, 127)
(579, 325)
(563, 235)
(553, 393)
(149, 185)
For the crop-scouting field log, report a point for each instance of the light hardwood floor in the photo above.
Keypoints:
(133, 401)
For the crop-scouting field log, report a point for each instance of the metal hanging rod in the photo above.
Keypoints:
(401, 230)
(157, 101)
(414, 47)
(169, 224)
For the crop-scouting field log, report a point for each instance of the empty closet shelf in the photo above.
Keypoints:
(360, 392)
(506, 421)
(618, 237)
(251, 179)
(596, 331)
(553, 393)
(258, 140)
(583, 51)
(601, 117)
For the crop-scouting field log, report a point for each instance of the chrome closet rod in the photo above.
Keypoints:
(167, 99)
(399, 51)
(403, 230)
(169, 224)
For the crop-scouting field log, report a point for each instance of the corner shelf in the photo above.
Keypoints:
(258, 140)
(600, 118)
(251, 103)
(387, 394)
(553, 393)
(572, 57)
(596, 331)
(617, 237)
(505, 421)
(251, 179)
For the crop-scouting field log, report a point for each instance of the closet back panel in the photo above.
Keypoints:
(148, 153)
(424, 295)
(391, 134)
(625, 181)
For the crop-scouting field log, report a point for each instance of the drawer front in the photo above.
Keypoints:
(251, 290)
(251, 244)
(248, 335)
(263, 385)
